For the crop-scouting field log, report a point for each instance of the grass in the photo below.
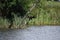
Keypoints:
(47, 14)
(3, 23)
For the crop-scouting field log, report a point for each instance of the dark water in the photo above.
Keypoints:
(32, 33)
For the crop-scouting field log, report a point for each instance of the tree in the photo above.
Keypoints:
(9, 6)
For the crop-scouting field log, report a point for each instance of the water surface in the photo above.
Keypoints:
(32, 33)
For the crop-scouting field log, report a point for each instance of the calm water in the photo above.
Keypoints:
(32, 33)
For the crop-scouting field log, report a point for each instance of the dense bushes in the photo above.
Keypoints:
(10, 9)
(12, 12)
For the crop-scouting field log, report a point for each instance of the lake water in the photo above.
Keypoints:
(32, 33)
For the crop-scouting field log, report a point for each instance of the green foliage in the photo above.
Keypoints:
(6, 5)
(46, 12)
(3, 23)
